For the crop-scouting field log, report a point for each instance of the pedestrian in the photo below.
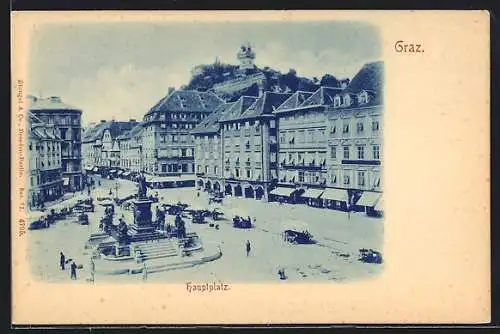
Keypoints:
(198, 194)
(248, 247)
(92, 270)
(144, 272)
(73, 270)
(62, 260)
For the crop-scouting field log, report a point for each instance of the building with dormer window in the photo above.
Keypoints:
(167, 142)
(355, 153)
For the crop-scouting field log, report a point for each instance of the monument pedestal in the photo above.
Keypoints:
(143, 228)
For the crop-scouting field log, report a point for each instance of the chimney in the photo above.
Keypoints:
(171, 90)
(55, 99)
(103, 121)
(132, 120)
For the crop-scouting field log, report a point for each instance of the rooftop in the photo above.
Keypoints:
(187, 100)
(238, 108)
(116, 128)
(53, 103)
(265, 104)
(210, 124)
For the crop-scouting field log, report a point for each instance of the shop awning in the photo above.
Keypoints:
(313, 193)
(368, 198)
(335, 194)
(380, 204)
(126, 174)
(280, 191)
(112, 171)
(66, 181)
(95, 169)
(120, 172)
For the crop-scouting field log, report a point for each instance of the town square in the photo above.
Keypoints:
(243, 173)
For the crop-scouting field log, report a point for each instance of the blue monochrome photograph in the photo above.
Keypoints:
(221, 152)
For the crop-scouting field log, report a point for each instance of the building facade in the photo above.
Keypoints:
(44, 165)
(239, 155)
(355, 123)
(130, 145)
(167, 144)
(100, 144)
(67, 124)
(302, 141)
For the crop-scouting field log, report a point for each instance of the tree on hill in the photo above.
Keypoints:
(329, 80)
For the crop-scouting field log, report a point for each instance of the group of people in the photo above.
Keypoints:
(73, 266)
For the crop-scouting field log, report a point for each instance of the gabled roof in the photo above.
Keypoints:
(210, 124)
(187, 100)
(116, 129)
(49, 104)
(295, 100)
(369, 78)
(323, 96)
(136, 130)
(265, 104)
(238, 108)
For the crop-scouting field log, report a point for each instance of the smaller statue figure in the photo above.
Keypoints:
(138, 216)
(122, 232)
(142, 192)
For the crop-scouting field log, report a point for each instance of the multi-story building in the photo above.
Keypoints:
(302, 143)
(67, 123)
(44, 149)
(208, 155)
(355, 142)
(237, 147)
(167, 145)
(100, 146)
(130, 145)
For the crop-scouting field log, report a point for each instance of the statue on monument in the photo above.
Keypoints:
(122, 232)
(142, 193)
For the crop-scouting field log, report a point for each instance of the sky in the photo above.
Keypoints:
(120, 70)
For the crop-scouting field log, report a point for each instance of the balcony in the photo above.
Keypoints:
(361, 162)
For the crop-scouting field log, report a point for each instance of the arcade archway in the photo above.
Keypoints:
(249, 193)
(217, 186)
(259, 193)
(228, 189)
(238, 191)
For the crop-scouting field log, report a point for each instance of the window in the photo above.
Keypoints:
(363, 98)
(346, 152)
(336, 102)
(249, 173)
(282, 137)
(359, 127)
(301, 176)
(183, 152)
(183, 138)
(334, 178)
(361, 152)
(301, 137)
(376, 152)
(199, 169)
(272, 124)
(215, 170)
(174, 125)
(164, 168)
(346, 179)
(347, 100)
(361, 178)
(333, 152)
(184, 168)
(375, 126)
(237, 172)
(206, 169)
(345, 128)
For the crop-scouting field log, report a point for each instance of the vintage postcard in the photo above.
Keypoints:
(250, 167)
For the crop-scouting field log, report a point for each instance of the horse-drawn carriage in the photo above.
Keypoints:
(297, 233)
(240, 222)
(83, 219)
(370, 256)
(175, 209)
(37, 220)
(216, 198)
